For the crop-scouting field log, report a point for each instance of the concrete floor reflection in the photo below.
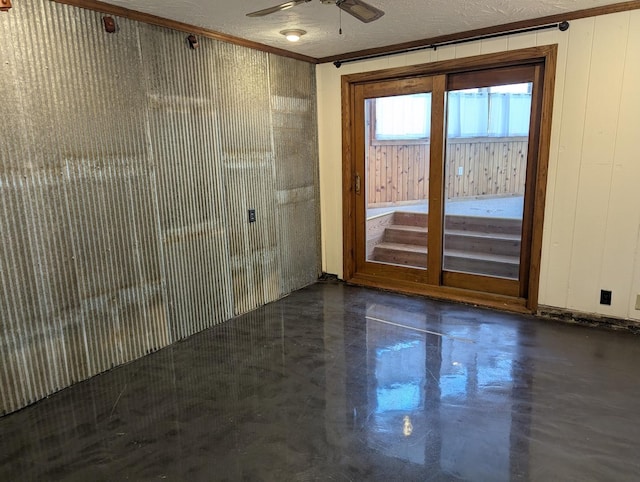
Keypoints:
(455, 394)
(344, 383)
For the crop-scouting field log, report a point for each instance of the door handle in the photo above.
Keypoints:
(357, 183)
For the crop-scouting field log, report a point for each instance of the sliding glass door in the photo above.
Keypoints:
(395, 145)
(445, 167)
(487, 179)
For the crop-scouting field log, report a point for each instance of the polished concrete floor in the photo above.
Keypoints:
(346, 384)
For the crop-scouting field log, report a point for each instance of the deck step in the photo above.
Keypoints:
(454, 260)
(406, 234)
(408, 218)
(478, 224)
(499, 244)
(482, 263)
(402, 254)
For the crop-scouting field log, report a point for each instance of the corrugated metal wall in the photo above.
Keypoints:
(128, 162)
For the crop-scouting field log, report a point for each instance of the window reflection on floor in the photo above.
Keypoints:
(425, 372)
(399, 377)
(396, 391)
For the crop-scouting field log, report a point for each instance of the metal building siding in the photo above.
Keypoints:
(184, 132)
(293, 108)
(126, 173)
(247, 150)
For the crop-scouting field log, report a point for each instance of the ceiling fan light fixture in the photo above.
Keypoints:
(293, 34)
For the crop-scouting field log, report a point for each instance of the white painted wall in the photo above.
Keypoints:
(592, 218)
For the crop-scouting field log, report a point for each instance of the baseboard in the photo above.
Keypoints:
(588, 319)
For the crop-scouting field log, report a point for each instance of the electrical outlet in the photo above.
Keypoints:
(252, 215)
(605, 297)
(638, 302)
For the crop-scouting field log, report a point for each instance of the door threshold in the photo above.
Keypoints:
(445, 293)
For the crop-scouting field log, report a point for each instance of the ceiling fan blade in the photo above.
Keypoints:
(277, 8)
(361, 10)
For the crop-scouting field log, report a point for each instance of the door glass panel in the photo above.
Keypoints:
(484, 179)
(396, 180)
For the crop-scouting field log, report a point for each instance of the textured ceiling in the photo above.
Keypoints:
(405, 20)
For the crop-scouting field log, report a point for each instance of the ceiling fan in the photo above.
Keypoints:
(361, 10)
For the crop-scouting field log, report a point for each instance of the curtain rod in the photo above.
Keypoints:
(562, 26)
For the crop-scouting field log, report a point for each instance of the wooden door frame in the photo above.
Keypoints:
(546, 56)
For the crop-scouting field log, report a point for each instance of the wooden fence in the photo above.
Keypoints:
(399, 174)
